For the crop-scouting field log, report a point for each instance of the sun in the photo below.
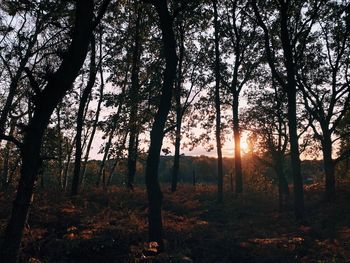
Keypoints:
(244, 146)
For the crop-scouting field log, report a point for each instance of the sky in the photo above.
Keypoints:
(227, 149)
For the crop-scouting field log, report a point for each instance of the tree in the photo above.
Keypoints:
(112, 124)
(290, 34)
(80, 118)
(217, 103)
(189, 74)
(98, 110)
(241, 38)
(46, 102)
(157, 132)
(269, 133)
(134, 97)
(322, 78)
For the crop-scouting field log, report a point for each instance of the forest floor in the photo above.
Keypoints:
(111, 226)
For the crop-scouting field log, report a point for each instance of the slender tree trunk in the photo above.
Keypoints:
(12, 171)
(67, 165)
(134, 101)
(111, 171)
(107, 147)
(154, 193)
(49, 98)
(112, 130)
(217, 105)
(14, 83)
(97, 116)
(176, 165)
(179, 112)
(328, 167)
(291, 89)
(60, 154)
(6, 158)
(93, 132)
(237, 139)
(116, 161)
(80, 119)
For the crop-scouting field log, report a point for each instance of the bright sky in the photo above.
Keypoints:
(227, 149)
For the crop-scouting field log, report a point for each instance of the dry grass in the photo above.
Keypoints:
(111, 226)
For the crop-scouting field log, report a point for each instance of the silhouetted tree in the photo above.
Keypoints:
(154, 193)
(46, 102)
(290, 34)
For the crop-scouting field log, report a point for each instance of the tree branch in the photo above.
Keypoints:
(101, 12)
(11, 139)
(33, 83)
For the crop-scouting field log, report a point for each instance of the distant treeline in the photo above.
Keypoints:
(202, 169)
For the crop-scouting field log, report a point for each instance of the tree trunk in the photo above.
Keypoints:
(98, 110)
(60, 154)
(14, 82)
(291, 90)
(283, 190)
(116, 161)
(328, 167)
(179, 113)
(67, 166)
(106, 150)
(237, 139)
(112, 129)
(217, 105)
(80, 119)
(6, 158)
(134, 101)
(49, 98)
(111, 171)
(176, 165)
(292, 117)
(295, 159)
(154, 193)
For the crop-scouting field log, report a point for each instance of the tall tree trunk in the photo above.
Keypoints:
(328, 167)
(117, 159)
(60, 153)
(106, 151)
(154, 193)
(67, 165)
(80, 119)
(134, 100)
(49, 98)
(237, 139)
(176, 165)
(179, 112)
(217, 104)
(291, 89)
(295, 159)
(6, 158)
(292, 116)
(97, 116)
